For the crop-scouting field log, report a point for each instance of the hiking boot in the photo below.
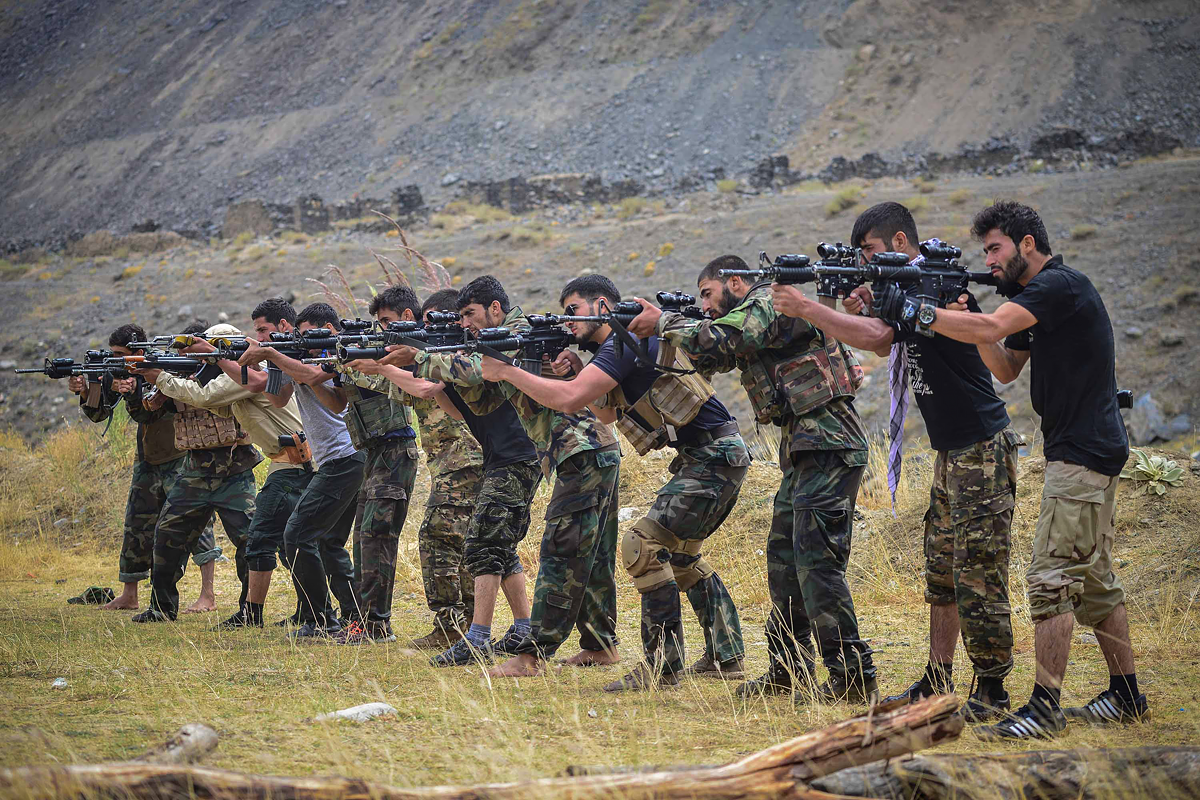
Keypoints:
(241, 619)
(439, 639)
(641, 678)
(462, 653)
(506, 645)
(840, 689)
(920, 690)
(985, 706)
(152, 615)
(311, 632)
(708, 667)
(1034, 720)
(776, 680)
(1108, 707)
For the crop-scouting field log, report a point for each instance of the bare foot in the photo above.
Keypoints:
(122, 602)
(592, 658)
(202, 605)
(522, 666)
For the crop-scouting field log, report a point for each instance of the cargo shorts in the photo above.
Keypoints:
(1071, 568)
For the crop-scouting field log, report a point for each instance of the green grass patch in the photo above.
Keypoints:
(846, 197)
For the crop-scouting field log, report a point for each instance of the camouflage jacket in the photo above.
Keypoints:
(556, 436)
(735, 339)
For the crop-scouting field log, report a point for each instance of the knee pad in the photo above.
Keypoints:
(644, 558)
(693, 573)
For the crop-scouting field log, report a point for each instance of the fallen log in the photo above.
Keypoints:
(1163, 773)
(189, 744)
(779, 771)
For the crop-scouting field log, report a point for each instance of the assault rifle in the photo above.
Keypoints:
(544, 340)
(95, 366)
(441, 329)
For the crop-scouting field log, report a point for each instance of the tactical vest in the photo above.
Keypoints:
(199, 429)
(800, 382)
(672, 401)
(368, 418)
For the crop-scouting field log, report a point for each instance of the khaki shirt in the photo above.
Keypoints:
(261, 421)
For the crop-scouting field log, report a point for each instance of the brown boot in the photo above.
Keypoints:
(439, 639)
(707, 667)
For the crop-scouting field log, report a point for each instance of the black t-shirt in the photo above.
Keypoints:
(952, 386)
(500, 434)
(1074, 381)
(636, 378)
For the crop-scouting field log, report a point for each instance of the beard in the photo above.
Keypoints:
(727, 303)
(1011, 272)
(584, 331)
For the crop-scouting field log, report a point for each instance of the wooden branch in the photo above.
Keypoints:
(779, 771)
(1163, 773)
(189, 744)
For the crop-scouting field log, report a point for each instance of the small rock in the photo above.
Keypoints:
(59, 523)
(59, 683)
(592, 713)
(866, 52)
(1133, 332)
(358, 713)
(1145, 521)
(450, 178)
(8, 365)
(627, 513)
(1088, 638)
(222, 317)
(500, 125)
(906, 59)
(1170, 338)
(184, 312)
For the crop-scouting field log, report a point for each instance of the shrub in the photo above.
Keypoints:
(924, 186)
(1085, 231)
(128, 272)
(961, 196)
(917, 205)
(1156, 472)
(630, 206)
(727, 185)
(666, 249)
(846, 197)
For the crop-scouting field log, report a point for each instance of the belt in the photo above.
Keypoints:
(702, 437)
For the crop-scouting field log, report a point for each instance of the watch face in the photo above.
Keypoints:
(927, 315)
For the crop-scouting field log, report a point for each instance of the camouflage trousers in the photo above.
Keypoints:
(449, 587)
(500, 519)
(808, 549)
(148, 490)
(691, 506)
(967, 531)
(391, 471)
(189, 507)
(576, 582)
(314, 540)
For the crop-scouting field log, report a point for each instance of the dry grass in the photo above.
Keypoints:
(130, 685)
(844, 198)
(630, 207)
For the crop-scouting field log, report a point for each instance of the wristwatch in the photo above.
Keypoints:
(926, 314)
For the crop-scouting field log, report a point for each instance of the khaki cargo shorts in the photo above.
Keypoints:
(1071, 568)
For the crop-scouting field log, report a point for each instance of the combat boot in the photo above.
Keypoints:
(439, 639)
(642, 678)
(708, 667)
(841, 689)
(988, 701)
(776, 680)
(935, 681)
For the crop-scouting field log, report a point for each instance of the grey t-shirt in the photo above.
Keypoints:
(326, 431)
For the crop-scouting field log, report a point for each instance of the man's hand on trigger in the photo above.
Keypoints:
(960, 304)
(399, 355)
(567, 363)
(77, 384)
(124, 385)
(645, 324)
(859, 300)
(255, 353)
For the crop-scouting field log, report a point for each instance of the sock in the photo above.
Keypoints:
(254, 612)
(1048, 697)
(522, 626)
(1124, 685)
(479, 635)
(939, 675)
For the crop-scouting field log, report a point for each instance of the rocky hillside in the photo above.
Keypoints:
(112, 114)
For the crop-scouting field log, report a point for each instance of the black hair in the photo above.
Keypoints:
(712, 270)
(274, 309)
(1014, 220)
(319, 315)
(398, 299)
(484, 290)
(441, 300)
(196, 326)
(590, 287)
(884, 220)
(125, 334)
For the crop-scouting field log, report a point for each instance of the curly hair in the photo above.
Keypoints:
(1015, 220)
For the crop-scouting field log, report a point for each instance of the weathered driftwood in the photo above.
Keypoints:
(1162, 773)
(779, 771)
(189, 744)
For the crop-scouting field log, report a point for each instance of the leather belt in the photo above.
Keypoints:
(703, 437)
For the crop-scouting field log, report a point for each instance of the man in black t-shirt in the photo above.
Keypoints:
(656, 408)
(968, 524)
(1057, 321)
